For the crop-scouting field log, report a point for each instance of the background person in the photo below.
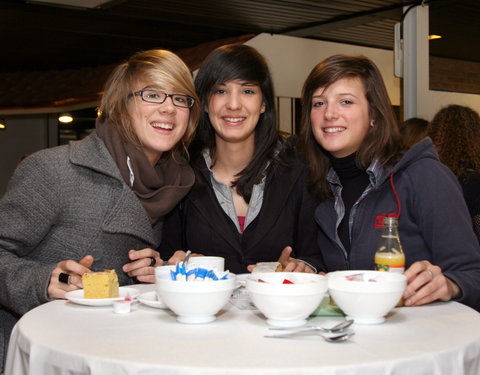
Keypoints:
(249, 201)
(100, 202)
(358, 167)
(413, 130)
(455, 131)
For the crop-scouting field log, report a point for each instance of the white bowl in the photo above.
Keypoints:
(286, 305)
(194, 302)
(208, 262)
(167, 268)
(370, 299)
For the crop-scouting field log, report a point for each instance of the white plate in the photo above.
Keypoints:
(76, 296)
(150, 299)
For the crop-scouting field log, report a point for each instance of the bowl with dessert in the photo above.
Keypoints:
(195, 295)
(286, 299)
(366, 296)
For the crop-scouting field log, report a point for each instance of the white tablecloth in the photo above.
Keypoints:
(63, 338)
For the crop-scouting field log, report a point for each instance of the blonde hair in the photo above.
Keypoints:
(154, 67)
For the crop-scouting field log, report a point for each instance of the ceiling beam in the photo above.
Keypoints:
(349, 20)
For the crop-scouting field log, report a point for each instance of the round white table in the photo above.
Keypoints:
(64, 338)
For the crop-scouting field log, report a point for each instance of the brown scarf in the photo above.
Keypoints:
(158, 187)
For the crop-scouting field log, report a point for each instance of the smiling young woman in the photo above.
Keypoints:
(158, 122)
(340, 117)
(249, 203)
(99, 203)
(360, 171)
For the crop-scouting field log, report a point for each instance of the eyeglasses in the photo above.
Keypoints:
(154, 96)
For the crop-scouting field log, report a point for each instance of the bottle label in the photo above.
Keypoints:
(390, 268)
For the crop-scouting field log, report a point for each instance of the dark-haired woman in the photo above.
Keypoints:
(413, 130)
(249, 203)
(357, 165)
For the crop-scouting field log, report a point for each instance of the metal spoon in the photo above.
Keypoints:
(338, 338)
(187, 257)
(336, 328)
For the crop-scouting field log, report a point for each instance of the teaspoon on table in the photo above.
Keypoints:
(338, 338)
(336, 328)
(187, 257)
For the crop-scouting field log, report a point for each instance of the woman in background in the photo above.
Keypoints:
(249, 203)
(99, 203)
(455, 131)
(359, 169)
(413, 130)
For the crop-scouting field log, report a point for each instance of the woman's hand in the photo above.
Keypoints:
(288, 263)
(427, 283)
(179, 256)
(142, 265)
(74, 270)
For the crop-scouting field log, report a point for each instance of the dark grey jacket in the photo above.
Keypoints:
(64, 203)
(434, 222)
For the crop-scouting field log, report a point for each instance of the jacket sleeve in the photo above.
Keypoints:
(446, 226)
(28, 209)
(172, 232)
(306, 245)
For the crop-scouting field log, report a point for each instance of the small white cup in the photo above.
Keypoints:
(209, 262)
(161, 269)
(122, 307)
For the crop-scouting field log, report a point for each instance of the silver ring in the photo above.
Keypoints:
(153, 261)
(431, 274)
(64, 278)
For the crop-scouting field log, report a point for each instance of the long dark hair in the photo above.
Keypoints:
(383, 140)
(227, 63)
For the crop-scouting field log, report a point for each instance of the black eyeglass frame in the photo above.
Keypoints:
(189, 101)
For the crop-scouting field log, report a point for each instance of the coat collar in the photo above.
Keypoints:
(127, 215)
(91, 152)
(280, 182)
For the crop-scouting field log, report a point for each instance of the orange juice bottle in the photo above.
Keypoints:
(389, 256)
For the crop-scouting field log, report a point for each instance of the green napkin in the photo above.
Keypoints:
(326, 309)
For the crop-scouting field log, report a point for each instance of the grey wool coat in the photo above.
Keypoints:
(64, 203)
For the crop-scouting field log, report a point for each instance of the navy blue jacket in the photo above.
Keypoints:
(434, 222)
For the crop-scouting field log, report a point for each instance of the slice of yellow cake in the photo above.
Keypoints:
(100, 284)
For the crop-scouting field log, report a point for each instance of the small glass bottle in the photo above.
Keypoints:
(389, 256)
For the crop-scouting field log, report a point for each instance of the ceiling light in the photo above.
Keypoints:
(65, 118)
(434, 36)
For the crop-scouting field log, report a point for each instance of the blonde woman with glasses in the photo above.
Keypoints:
(100, 202)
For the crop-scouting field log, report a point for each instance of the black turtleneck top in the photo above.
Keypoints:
(354, 181)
